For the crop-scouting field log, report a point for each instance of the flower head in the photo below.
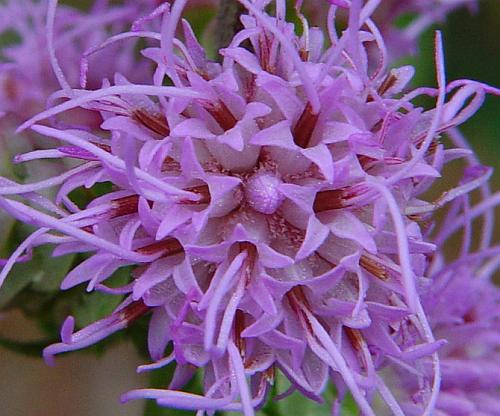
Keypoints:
(271, 206)
(45, 44)
(462, 303)
(400, 22)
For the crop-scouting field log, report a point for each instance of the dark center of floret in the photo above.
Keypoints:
(303, 130)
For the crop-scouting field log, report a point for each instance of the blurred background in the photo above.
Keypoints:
(90, 383)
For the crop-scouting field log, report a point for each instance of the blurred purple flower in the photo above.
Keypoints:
(400, 22)
(271, 205)
(27, 75)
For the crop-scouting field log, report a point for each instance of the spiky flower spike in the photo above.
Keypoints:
(270, 206)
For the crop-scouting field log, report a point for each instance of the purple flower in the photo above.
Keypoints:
(29, 68)
(462, 303)
(400, 41)
(271, 206)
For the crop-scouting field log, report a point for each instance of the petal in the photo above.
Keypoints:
(344, 224)
(316, 234)
(321, 156)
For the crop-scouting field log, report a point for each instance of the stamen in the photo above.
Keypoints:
(239, 326)
(170, 164)
(133, 311)
(331, 199)
(305, 126)
(221, 114)
(424, 223)
(297, 299)
(366, 162)
(88, 229)
(270, 374)
(387, 83)
(169, 247)
(105, 147)
(124, 206)
(358, 343)
(201, 190)
(265, 54)
(250, 260)
(355, 338)
(374, 267)
(154, 122)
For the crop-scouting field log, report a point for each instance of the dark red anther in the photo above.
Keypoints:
(168, 247)
(105, 147)
(134, 311)
(201, 190)
(239, 326)
(297, 299)
(358, 342)
(124, 206)
(332, 199)
(304, 55)
(170, 164)
(221, 114)
(355, 337)
(154, 122)
(374, 267)
(300, 305)
(88, 229)
(265, 53)
(366, 162)
(303, 130)
(250, 249)
(387, 83)
(249, 263)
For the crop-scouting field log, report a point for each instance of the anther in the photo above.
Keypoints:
(154, 122)
(331, 199)
(105, 147)
(375, 268)
(133, 311)
(124, 206)
(387, 83)
(355, 337)
(221, 114)
(357, 341)
(168, 247)
(239, 326)
(251, 259)
(201, 190)
(303, 130)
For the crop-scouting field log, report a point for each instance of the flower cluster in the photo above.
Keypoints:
(271, 206)
(29, 68)
(400, 22)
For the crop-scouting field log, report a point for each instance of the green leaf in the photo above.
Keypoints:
(81, 196)
(43, 272)
(97, 305)
(54, 270)
(6, 227)
(300, 405)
